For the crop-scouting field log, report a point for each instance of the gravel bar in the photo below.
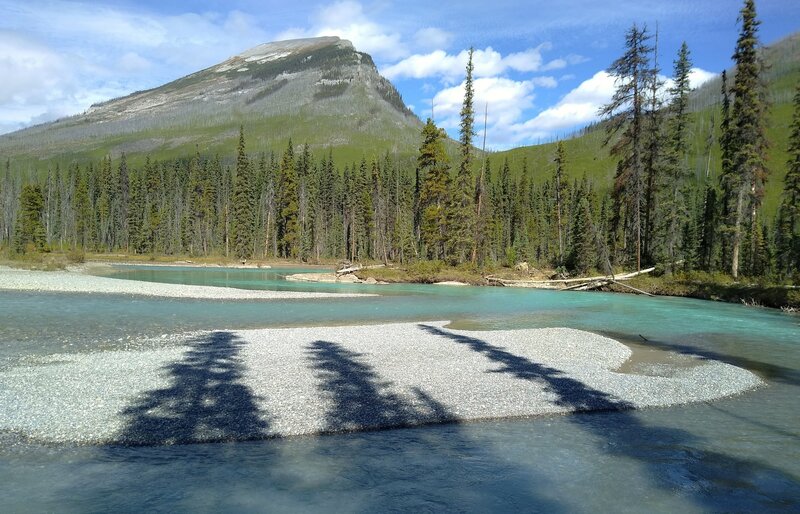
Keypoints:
(75, 282)
(257, 384)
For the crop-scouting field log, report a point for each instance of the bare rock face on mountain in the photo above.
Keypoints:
(320, 90)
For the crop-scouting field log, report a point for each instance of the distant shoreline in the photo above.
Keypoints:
(78, 281)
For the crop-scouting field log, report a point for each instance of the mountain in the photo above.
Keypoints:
(587, 155)
(319, 91)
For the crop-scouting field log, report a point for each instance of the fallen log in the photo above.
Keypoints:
(358, 267)
(631, 288)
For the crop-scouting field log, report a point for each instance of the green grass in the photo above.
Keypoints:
(719, 287)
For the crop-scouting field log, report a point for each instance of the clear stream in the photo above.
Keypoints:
(739, 454)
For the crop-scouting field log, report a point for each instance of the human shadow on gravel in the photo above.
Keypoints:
(677, 460)
(443, 455)
(206, 400)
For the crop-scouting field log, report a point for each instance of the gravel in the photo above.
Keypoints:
(255, 384)
(75, 282)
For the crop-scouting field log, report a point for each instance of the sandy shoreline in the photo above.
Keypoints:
(81, 282)
(256, 384)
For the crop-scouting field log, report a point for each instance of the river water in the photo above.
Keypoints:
(737, 454)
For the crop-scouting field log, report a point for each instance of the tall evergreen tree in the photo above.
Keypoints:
(461, 231)
(243, 203)
(653, 136)
(288, 226)
(675, 209)
(559, 188)
(788, 232)
(434, 196)
(748, 167)
(626, 115)
(29, 231)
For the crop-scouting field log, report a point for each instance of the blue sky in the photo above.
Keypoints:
(539, 64)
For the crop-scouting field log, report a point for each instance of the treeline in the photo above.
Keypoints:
(463, 210)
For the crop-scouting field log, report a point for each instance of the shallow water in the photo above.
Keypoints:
(738, 454)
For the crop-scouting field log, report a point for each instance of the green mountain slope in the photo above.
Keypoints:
(587, 155)
(320, 91)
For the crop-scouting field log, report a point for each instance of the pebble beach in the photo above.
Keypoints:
(257, 384)
(77, 282)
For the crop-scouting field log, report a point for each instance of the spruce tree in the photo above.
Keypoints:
(243, 203)
(434, 196)
(559, 188)
(288, 227)
(461, 219)
(788, 234)
(653, 136)
(626, 114)
(748, 139)
(674, 202)
(583, 254)
(29, 232)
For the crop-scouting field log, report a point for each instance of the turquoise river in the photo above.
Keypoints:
(740, 454)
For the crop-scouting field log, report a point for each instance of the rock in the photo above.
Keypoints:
(348, 278)
(370, 280)
(522, 266)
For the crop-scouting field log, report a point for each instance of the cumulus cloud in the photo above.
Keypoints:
(698, 77)
(58, 58)
(488, 63)
(347, 20)
(432, 38)
(133, 62)
(506, 101)
(29, 70)
(576, 108)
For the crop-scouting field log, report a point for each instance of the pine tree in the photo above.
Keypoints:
(748, 167)
(675, 212)
(461, 219)
(243, 203)
(29, 232)
(653, 136)
(626, 114)
(583, 254)
(788, 234)
(288, 227)
(122, 206)
(559, 188)
(434, 196)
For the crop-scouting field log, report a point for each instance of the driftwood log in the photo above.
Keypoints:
(574, 284)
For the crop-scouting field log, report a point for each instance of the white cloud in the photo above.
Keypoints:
(432, 38)
(506, 99)
(133, 62)
(58, 58)
(488, 63)
(576, 108)
(29, 70)
(548, 82)
(347, 20)
(698, 77)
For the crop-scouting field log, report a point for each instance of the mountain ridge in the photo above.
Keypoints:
(319, 90)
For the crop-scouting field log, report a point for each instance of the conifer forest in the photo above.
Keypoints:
(453, 202)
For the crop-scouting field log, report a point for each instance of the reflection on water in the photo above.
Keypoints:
(738, 454)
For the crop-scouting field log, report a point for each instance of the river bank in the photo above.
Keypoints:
(76, 280)
(704, 286)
